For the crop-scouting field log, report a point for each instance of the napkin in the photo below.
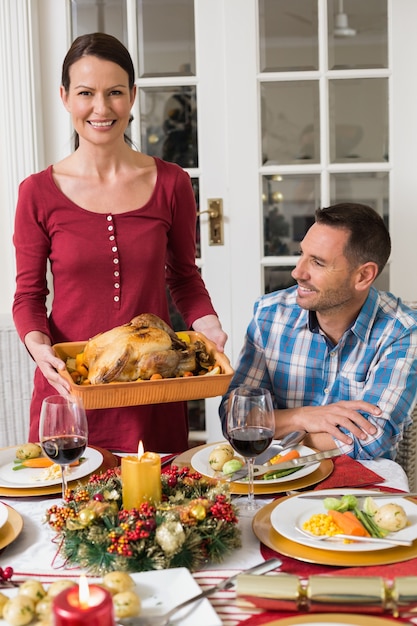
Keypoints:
(348, 472)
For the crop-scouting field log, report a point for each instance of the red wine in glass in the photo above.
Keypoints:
(250, 427)
(64, 449)
(63, 431)
(249, 441)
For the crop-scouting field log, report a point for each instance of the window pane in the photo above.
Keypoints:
(358, 120)
(276, 278)
(169, 124)
(358, 34)
(366, 188)
(288, 35)
(104, 16)
(290, 122)
(166, 37)
(370, 188)
(289, 203)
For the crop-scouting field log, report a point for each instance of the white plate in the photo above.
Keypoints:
(27, 477)
(4, 514)
(293, 512)
(200, 462)
(159, 591)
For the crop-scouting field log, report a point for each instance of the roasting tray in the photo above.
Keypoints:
(112, 395)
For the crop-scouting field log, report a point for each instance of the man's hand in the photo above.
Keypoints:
(323, 423)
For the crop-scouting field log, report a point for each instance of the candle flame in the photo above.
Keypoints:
(83, 592)
(140, 449)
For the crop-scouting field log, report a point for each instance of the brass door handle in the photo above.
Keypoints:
(211, 213)
(215, 213)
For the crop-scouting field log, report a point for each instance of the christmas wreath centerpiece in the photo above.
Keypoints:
(194, 523)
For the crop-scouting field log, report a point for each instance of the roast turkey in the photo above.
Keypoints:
(145, 346)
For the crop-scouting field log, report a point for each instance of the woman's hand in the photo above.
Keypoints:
(210, 326)
(50, 365)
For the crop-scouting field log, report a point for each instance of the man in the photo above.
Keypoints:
(339, 357)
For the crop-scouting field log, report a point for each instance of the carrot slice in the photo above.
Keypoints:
(348, 523)
(40, 461)
(43, 461)
(280, 458)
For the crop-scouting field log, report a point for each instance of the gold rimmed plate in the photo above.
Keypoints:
(108, 461)
(265, 532)
(323, 471)
(12, 528)
(288, 517)
(333, 619)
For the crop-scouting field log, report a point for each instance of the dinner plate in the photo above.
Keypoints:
(264, 531)
(290, 514)
(31, 477)
(200, 462)
(333, 619)
(159, 591)
(109, 461)
(323, 471)
(12, 528)
(4, 513)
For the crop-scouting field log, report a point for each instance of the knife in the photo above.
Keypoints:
(301, 461)
(362, 494)
(286, 443)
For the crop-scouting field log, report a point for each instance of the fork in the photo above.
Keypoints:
(387, 540)
(163, 620)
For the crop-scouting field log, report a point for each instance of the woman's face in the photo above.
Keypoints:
(99, 99)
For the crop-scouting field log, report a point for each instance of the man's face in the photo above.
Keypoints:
(326, 280)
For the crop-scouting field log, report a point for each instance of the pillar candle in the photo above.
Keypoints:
(141, 479)
(69, 609)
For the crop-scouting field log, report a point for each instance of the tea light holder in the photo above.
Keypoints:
(83, 605)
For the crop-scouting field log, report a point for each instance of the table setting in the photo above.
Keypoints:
(32, 553)
(180, 528)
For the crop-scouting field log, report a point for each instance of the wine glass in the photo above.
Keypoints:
(63, 431)
(250, 428)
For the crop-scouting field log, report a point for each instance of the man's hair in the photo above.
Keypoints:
(369, 239)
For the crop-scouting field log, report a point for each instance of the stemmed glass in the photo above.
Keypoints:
(63, 431)
(250, 428)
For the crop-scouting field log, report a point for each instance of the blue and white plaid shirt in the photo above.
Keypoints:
(375, 360)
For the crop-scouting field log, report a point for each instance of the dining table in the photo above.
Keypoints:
(33, 553)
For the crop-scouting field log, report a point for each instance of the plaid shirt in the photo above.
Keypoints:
(375, 360)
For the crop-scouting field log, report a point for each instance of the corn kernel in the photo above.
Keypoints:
(321, 524)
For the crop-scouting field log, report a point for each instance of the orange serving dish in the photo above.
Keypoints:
(111, 395)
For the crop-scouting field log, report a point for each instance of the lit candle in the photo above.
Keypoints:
(85, 605)
(141, 478)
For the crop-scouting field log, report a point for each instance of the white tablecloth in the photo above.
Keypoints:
(33, 552)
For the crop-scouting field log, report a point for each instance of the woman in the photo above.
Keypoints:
(116, 227)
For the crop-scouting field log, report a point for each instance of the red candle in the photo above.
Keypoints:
(95, 608)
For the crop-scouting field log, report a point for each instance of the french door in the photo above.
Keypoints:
(279, 106)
